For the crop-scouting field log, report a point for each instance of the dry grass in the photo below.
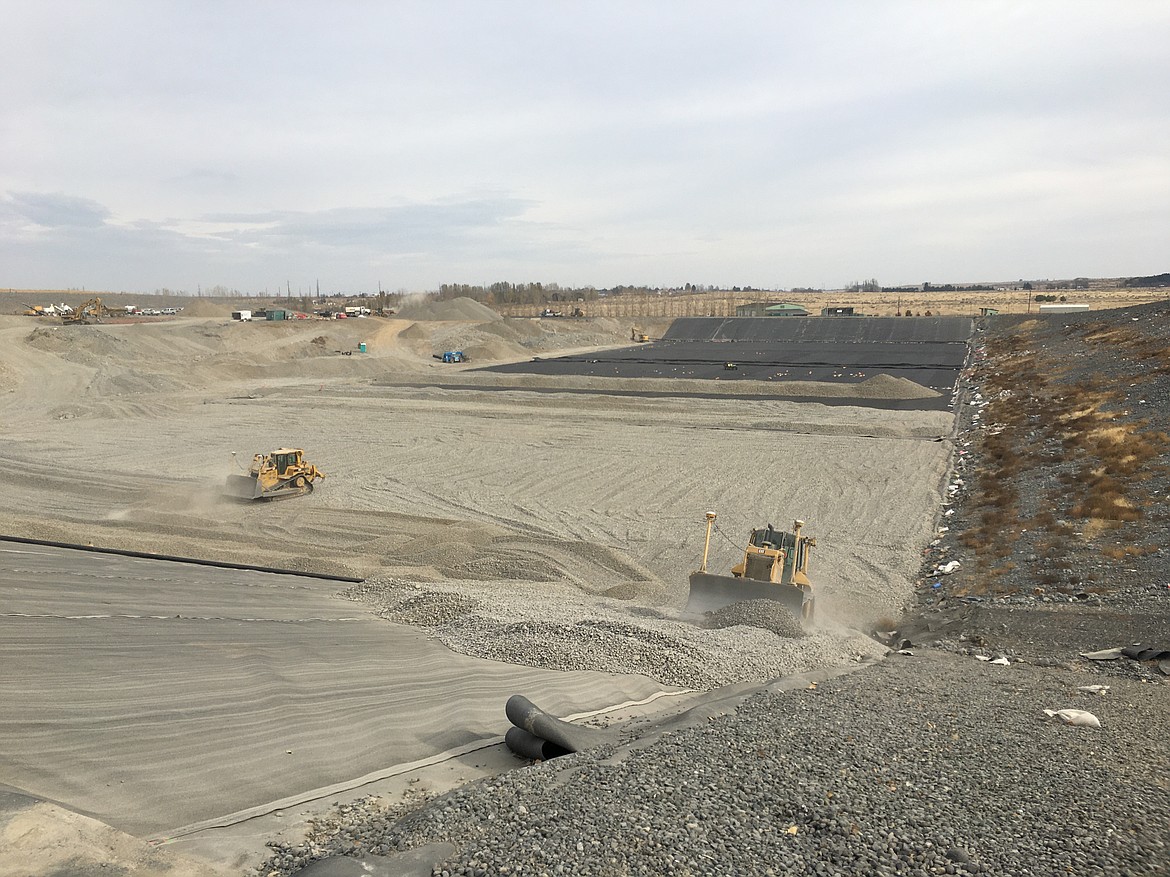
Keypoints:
(887, 304)
(1083, 423)
(1120, 552)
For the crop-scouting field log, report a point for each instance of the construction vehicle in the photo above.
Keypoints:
(36, 311)
(774, 567)
(638, 335)
(85, 313)
(452, 356)
(281, 473)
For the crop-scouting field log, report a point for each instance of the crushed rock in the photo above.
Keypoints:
(554, 626)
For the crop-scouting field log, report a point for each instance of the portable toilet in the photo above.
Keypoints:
(361, 347)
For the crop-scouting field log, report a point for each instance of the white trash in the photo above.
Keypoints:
(1077, 718)
(1094, 689)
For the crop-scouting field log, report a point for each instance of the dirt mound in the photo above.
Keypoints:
(463, 309)
(87, 345)
(889, 387)
(42, 838)
(202, 308)
(494, 351)
(415, 332)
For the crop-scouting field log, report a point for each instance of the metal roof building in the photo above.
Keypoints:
(764, 309)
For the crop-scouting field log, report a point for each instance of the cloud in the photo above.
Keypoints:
(53, 210)
(755, 143)
(407, 228)
(205, 177)
(77, 234)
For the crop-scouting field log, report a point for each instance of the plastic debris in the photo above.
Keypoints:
(1103, 655)
(1001, 661)
(982, 658)
(1094, 689)
(1076, 718)
(947, 568)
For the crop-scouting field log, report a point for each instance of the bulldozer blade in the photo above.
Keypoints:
(710, 592)
(248, 488)
(244, 487)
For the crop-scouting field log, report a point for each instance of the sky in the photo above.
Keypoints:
(401, 145)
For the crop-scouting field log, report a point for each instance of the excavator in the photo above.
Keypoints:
(283, 472)
(85, 313)
(774, 567)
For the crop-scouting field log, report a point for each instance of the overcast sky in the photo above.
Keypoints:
(772, 144)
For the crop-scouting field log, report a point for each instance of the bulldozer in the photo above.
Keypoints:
(774, 567)
(281, 473)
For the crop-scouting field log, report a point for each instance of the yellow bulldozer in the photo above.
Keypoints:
(283, 472)
(774, 567)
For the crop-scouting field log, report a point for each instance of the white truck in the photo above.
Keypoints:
(242, 316)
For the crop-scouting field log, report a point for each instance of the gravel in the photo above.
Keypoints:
(1051, 579)
(538, 624)
(764, 614)
(918, 765)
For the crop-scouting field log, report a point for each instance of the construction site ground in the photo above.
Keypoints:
(121, 436)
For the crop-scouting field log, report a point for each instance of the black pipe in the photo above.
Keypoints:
(541, 735)
(530, 746)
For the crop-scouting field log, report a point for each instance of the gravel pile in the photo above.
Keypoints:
(915, 766)
(542, 625)
(764, 614)
(426, 308)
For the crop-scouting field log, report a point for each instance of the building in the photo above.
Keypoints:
(1063, 308)
(764, 309)
(838, 312)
